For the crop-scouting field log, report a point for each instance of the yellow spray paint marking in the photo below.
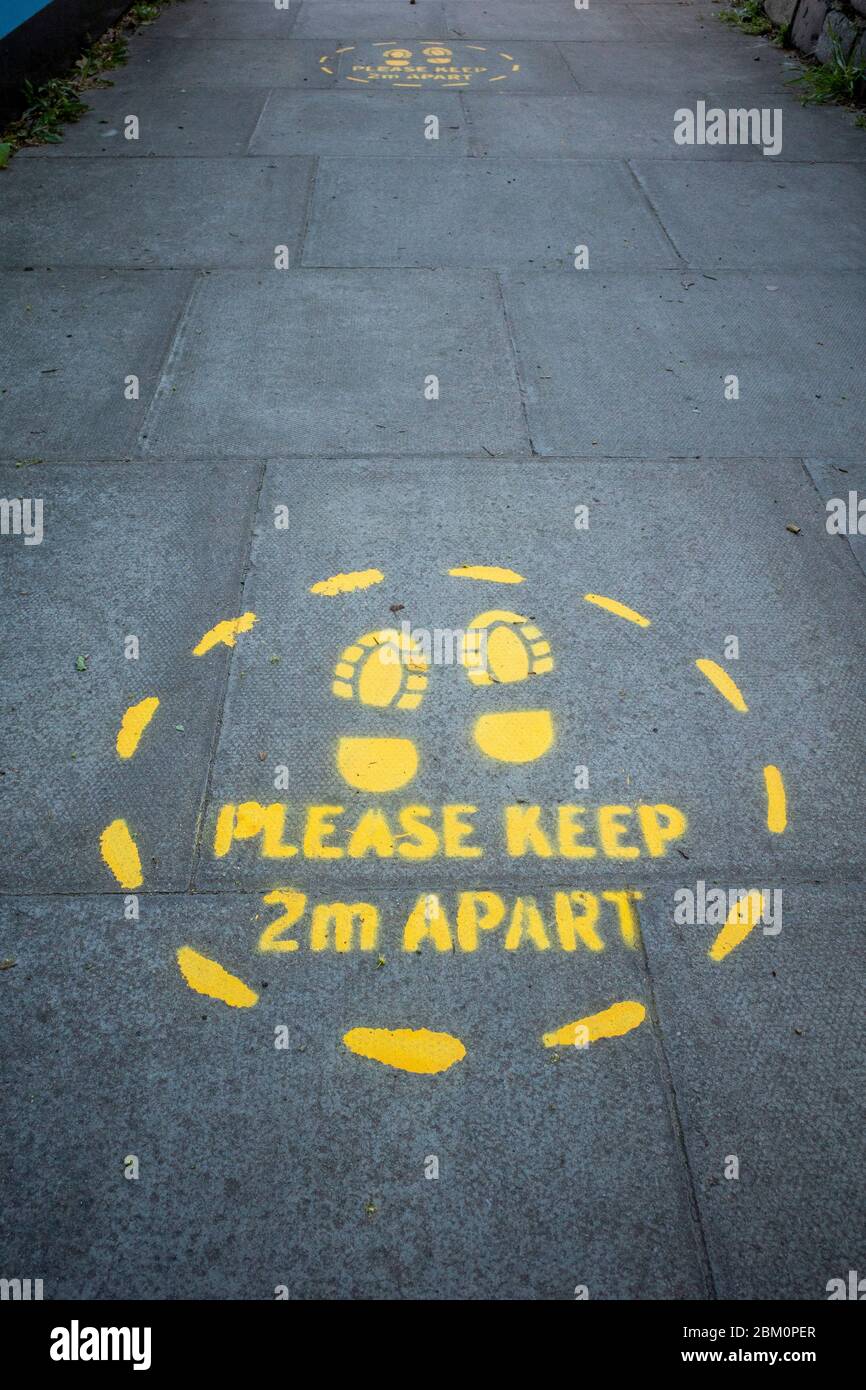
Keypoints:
(347, 583)
(742, 919)
(225, 633)
(380, 669)
(407, 1049)
(620, 610)
(515, 648)
(495, 574)
(514, 736)
(120, 853)
(133, 725)
(377, 764)
(610, 1023)
(431, 63)
(723, 683)
(777, 804)
(208, 977)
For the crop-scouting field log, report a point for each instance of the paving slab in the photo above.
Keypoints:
(495, 213)
(739, 216)
(235, 62)
(689, 68)
(304, 1166)
(71, 338)
(628, 705)
(260, 349)
(156, 213)
(375, 19)
(597, 126)
(543, 19)
(224, 19)
(337, 123)
(678, 22)
(766, 1054)
(126, 552)
(785, 337)
(205, 121)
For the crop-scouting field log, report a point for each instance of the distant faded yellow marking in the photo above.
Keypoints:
(777, 802)
(133, 725)
(610, 1023)
(407, 1049)
(620, 610)
(120, 853)
(496, 574)
(355, 579)
(208, 977)
(723, 683)
(742, 919)
(225, 632)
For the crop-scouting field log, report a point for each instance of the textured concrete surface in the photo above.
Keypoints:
(431, 386)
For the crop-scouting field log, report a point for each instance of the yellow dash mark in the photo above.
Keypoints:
(120, 853)
(494, 574)
(133, 725)
(610, 1023)
(723, 683)
(347, 583)
(357, 79)
(207, 977)
(476, 48)
(329, 71)
(743, 917)
(225, 632)
(506, 55)
(344, 50)
(498, 79)
(407, 1049)
(621, 610)
(777, 803)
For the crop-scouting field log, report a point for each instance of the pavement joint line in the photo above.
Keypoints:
(204, 801)
(654, 212)
(246, 154)
(174, 347)
(538, 461)
(668, 1086)
(515, 360)
(310, 193)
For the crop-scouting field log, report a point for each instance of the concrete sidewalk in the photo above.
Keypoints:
(386, 974)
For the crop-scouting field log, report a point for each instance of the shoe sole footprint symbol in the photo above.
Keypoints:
(383, 670)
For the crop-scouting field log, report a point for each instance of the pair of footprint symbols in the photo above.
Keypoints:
(388, 669)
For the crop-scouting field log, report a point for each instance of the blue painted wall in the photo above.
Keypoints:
(14, 12)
